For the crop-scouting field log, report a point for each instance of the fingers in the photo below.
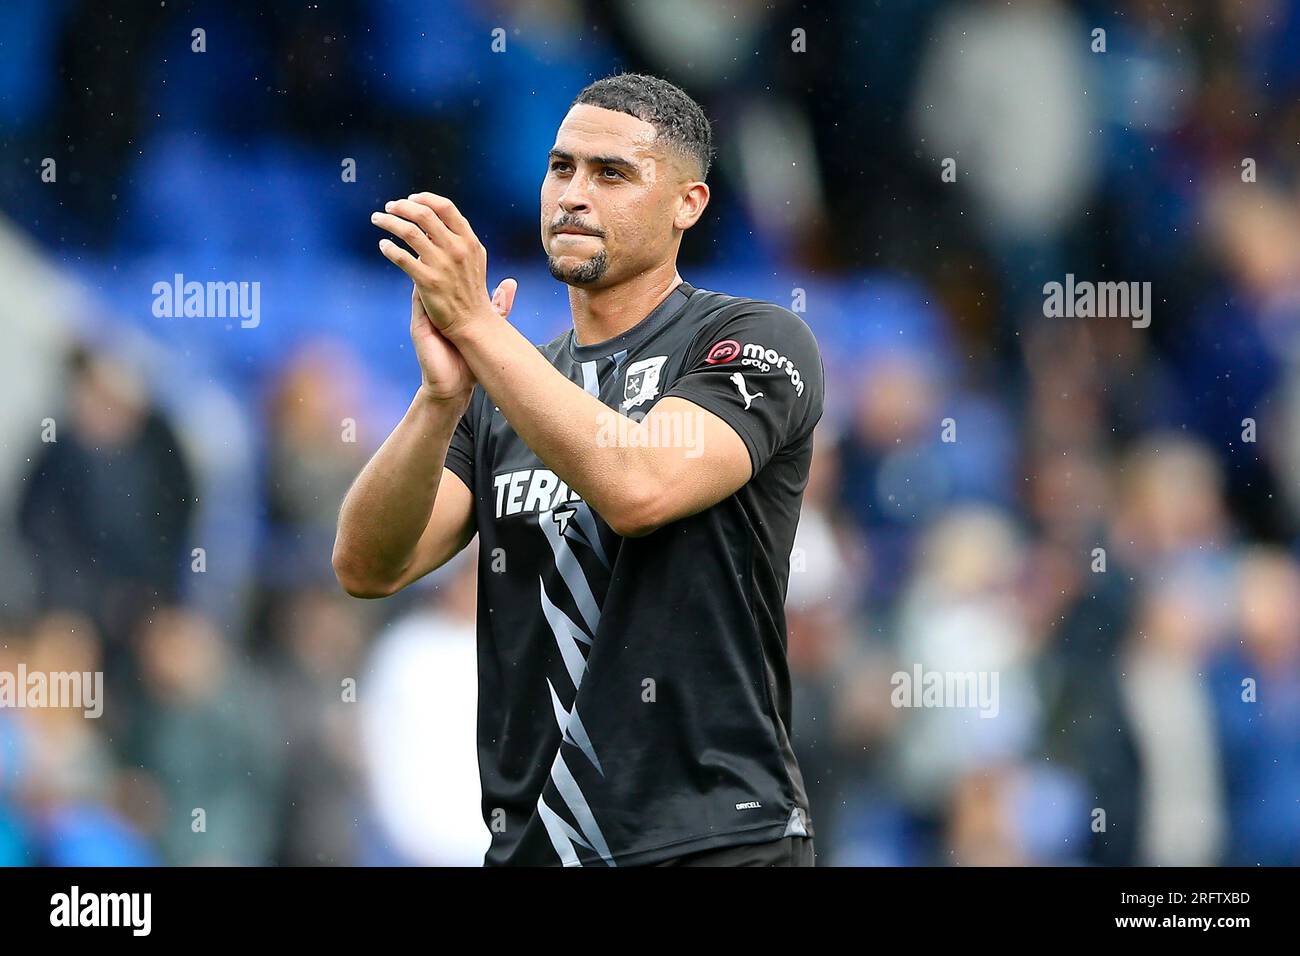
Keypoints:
(410, 233)
(402, 259)
(446, 212)
(432, 222)
(422, 216)
(445, 255)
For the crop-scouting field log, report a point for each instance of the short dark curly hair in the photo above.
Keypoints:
(678, 120)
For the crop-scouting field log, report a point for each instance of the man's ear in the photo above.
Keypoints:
(692, 205)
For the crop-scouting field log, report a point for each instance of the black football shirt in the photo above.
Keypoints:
(634, 694)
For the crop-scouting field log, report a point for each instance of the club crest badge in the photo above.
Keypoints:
(642, 382)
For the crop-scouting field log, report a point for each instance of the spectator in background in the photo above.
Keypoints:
(68, 759)
(311, 635)
(961, 615)
(1256, 693)
(65, 776)
(980, 827)
(107, 505)
(204, 729)
(1163, 513)
(319, 636)
(315, 411)
(917, 445)
(1015, 814)
(891, 480)
(1249, 387)
(418, 728)
(1170, 506)
(998, 93)
(1171, 716)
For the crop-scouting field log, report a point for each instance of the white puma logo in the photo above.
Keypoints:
(739, 381)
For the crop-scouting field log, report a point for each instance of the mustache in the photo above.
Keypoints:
(574, 224)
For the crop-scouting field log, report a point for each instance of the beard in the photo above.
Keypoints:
(585, 273)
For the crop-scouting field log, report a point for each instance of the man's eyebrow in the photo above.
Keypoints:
(617, 161)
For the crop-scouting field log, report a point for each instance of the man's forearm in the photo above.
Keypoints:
(563, 424)
(388, 506)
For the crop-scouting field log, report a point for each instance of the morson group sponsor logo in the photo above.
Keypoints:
(758, 356)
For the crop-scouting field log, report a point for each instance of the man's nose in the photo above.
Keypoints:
(575, 198)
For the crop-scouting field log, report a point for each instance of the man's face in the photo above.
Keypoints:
(611, 199)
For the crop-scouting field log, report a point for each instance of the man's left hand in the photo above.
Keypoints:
(449, 267)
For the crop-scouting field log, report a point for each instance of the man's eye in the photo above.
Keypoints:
(611, 169)
(559, 167)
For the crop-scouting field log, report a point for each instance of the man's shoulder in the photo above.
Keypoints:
(720, 308)
(719, 320)
(709, 301)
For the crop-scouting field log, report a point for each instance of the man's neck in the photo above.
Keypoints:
(601, 314)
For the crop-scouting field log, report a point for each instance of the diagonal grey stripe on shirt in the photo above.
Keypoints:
(572, 795)
(587, 524)
(578, 733)
(563, 630)
(567, 634)
(571, 728)
(562, 835)
(590, 381)
(566, 562)
(559, 620)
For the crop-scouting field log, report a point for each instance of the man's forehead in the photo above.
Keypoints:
(595, 131)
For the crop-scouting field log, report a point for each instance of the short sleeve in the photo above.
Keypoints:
(761, 372)
(460, 452)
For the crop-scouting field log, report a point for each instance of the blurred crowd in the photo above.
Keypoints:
(1096, 512)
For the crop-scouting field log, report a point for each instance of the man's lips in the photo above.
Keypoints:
(568, 231)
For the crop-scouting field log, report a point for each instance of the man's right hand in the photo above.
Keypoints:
(446, 375)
